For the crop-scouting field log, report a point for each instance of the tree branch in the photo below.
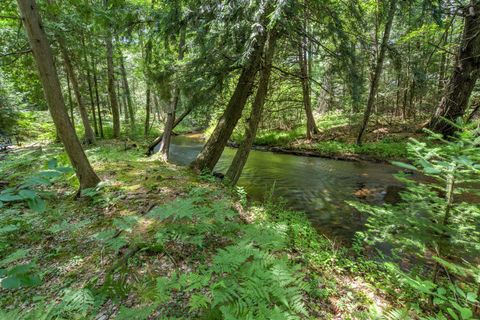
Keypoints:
(15, 53)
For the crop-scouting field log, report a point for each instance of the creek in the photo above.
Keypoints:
(319, 187)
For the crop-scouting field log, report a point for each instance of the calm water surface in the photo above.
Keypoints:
(316, 186)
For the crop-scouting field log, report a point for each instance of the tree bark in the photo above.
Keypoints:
(148, 55)
(111, 85)
(70, 101)
(241, 156)
(172, 108)
(90, 89)
(378, 70)
(212, 150)
(465, 74)
(97, 97)
(303, 60)
(155, 143)
(147, 110)
(51, 85)
(89, 135)
(129, 104)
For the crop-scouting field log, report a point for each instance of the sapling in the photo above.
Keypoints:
(436, 219)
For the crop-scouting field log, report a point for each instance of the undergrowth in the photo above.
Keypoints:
(156, 241)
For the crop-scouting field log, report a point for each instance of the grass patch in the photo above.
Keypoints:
(380, 150)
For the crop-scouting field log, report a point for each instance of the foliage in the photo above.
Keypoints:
(25, 192)
(433, 219)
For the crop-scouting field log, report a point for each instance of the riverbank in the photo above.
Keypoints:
(383, 141)
(156, 240)
(383, 152)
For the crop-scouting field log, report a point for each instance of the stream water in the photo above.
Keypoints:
(317, 186)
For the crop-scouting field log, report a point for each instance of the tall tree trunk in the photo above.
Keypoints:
(172, 108)
(70, 100)
(129, 104)
(465, 74)
(148, 55)
(241, 156)
(212, 150)
(90, 89)
(97, 96)
(111, 85)
(378, 70)
(89, 135)
(303, 58)
(147, 110)
(51, 85)
(122, 103)
(167, 132)
(356, 80)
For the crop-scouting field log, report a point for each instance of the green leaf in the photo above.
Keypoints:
(404, 165)
(8, 197)
(17, 255)
(27, 194)
(466, 313)
(52, 163)
(37, 204)
(198, 301)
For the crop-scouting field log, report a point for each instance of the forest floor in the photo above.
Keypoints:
(385, 139)
(156, 241)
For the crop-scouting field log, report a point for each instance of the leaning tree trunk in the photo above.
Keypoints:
(172, 108)
(156, 142)
(241, 156)
(465, 74)
(111, 86)
(212, 150)
(167, 132)
(89, 134)
(378, 71)
(51, 85)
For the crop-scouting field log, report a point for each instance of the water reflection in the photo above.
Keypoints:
(316, 186)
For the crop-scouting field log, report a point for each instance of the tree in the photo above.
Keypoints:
(304, 61)
(89, 134)
(51, 85)
(172, 107)
(111, 81)
(378, 70)
(241, 156)
(211, 152)
(465, 74)
(129, 104)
